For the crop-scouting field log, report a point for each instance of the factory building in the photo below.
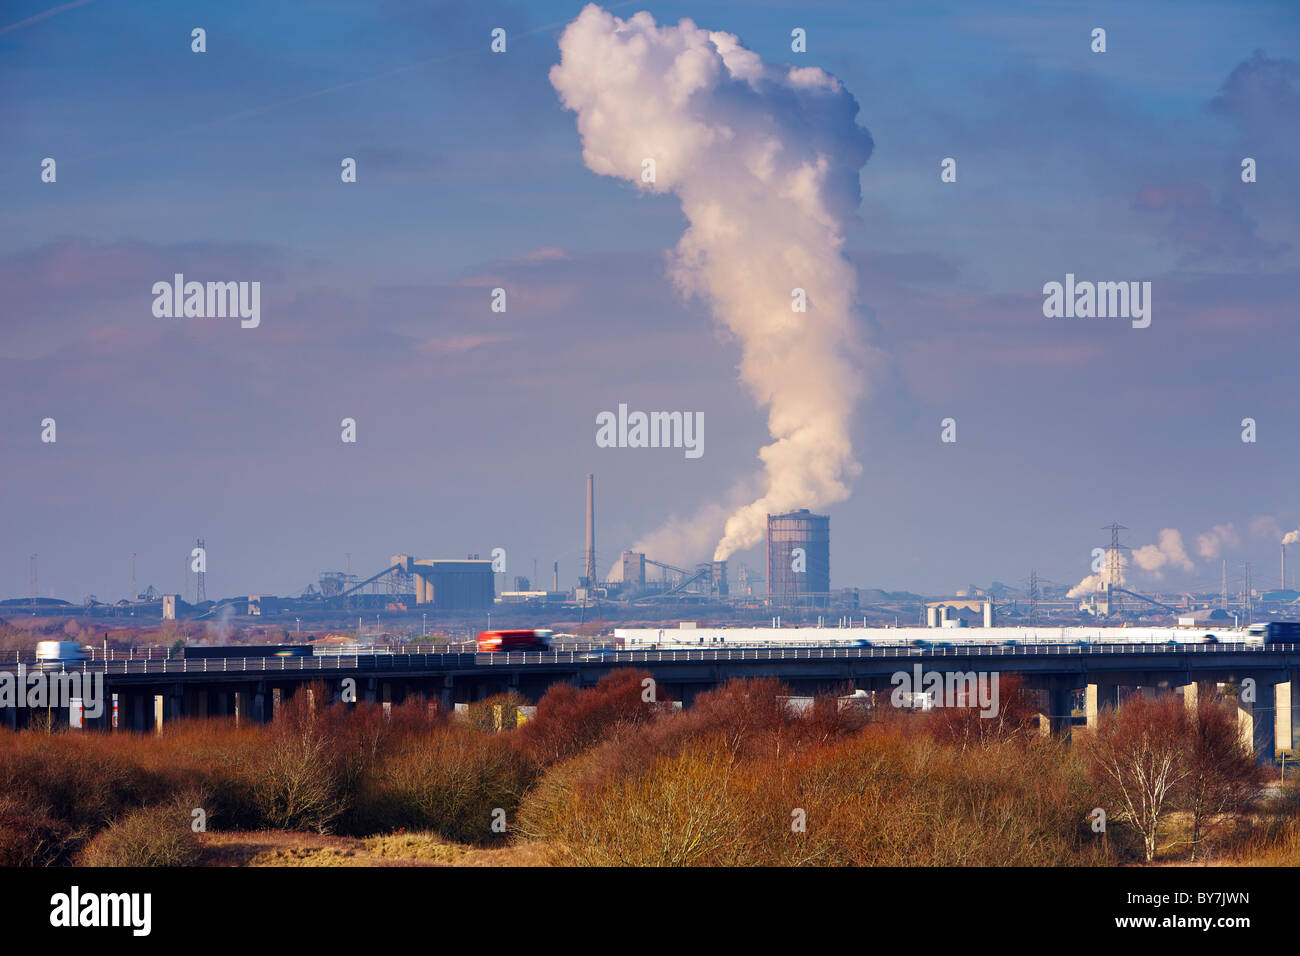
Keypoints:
(798, 559)
(634, 570)
(446, 585)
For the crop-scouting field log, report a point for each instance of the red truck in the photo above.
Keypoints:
(491, 642)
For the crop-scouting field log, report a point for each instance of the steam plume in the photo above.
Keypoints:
(1217, 540)
(1168, 552)
(765, 161)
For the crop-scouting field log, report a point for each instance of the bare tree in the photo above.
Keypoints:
(1140, 756)
(1224, 778)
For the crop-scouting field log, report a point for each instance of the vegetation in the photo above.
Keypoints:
(609, 775)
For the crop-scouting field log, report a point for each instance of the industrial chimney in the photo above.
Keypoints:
(591, 531)
(1284, 567)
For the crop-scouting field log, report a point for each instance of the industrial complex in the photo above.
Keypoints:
(794, 589)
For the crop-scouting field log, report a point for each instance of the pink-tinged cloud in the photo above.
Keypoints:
(457, 343)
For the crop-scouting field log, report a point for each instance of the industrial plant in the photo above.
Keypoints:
(794, 589)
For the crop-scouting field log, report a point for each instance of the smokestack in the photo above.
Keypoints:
(1284, 567)
(555, 576)
(591, 530)
(988, 613)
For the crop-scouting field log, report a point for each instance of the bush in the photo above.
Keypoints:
(31, 836)
(761, 789)
(450, 782)
(569, 721)
(157, 836)
(299, 783)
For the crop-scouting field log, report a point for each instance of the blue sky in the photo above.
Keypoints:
(476, 430)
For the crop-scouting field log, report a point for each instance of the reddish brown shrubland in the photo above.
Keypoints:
(601, 776)
(887, 795)
(1016, 718)
(569, 721)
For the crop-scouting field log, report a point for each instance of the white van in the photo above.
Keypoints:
(59, 652)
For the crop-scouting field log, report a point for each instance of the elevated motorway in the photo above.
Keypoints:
(147, 692)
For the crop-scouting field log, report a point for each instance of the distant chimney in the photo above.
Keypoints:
(591, 530)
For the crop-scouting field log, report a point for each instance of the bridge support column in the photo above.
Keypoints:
(1256, 720)
(1283, 729)
(241, 704)
(1059, 698)
(159, 702)
(1191, 695)
(275, 702)
(259, 707)
(201, 701)
(1293, 717)
(1097, 697)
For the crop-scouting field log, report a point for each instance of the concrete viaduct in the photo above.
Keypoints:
(147, 693)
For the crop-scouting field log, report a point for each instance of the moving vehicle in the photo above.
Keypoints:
(492, 642)
(1277, 632)
(246, 650)
(59, 652)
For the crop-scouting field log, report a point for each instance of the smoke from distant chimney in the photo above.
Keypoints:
(765, 161)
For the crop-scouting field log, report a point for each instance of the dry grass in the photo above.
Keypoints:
(273, 848)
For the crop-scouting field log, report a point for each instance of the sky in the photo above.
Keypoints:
(476, 429)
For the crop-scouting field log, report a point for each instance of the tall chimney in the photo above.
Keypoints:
(591, 530)
(1283, 567)
(555, 576)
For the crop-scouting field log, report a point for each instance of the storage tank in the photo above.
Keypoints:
(798, 559)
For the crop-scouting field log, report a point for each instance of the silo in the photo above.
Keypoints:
(798, 559)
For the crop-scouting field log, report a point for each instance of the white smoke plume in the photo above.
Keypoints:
(1167, 553)
(1093, 583)
(1090, 585)
(765, 161)
(1291, 537)
(1220, 538)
